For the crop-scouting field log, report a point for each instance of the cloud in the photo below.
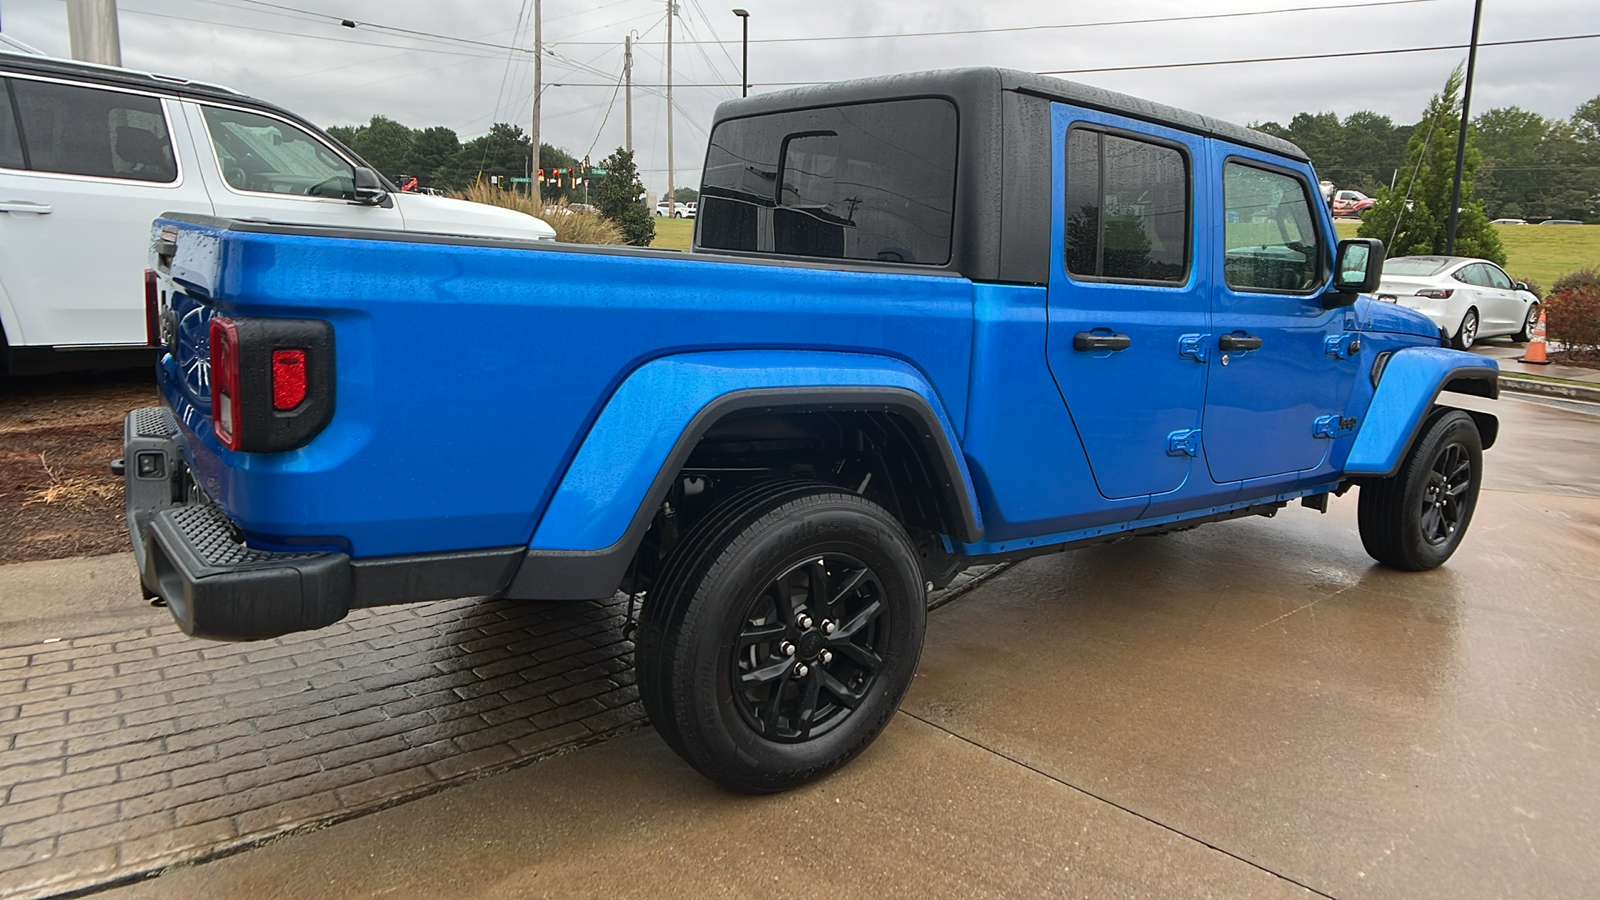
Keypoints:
(335, 75)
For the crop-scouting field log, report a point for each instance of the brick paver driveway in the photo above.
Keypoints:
(123, 753)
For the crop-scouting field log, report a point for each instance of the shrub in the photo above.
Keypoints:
(1572, 317)
(571, 227)
(1579, 278)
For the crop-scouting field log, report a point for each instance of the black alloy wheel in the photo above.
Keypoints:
(1415, 519)
(782, 633)
(811, 648)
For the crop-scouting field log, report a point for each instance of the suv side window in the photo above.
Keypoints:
(86, 131)
(1270, 241)
(1127, 209)
(10, 141)
(270, 156)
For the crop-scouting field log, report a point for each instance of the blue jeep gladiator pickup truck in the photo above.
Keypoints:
(930, 321)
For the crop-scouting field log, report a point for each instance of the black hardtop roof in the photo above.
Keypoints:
(972, 85)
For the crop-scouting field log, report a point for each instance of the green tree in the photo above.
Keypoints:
(431, 156)
(620, 196)
(503, 152)
(686, 195)
(1426, 182)
(1513, 180)
(385, 144)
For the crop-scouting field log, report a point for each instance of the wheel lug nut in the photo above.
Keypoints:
(804, 620)
(787, 648)
(828, 627)
(801, 671)
(826, 657)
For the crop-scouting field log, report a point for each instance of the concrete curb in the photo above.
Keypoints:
(1565, 390)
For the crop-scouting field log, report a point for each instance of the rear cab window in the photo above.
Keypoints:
(73, 130)
(867, 181)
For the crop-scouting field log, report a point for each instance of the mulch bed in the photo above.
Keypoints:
(58, 434)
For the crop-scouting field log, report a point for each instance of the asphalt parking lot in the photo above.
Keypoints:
(1248, 709)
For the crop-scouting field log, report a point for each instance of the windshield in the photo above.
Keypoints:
(1416, 265)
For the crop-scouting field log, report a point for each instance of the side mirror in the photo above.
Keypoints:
(369, 188)
(1357, 269)
(1522, 286)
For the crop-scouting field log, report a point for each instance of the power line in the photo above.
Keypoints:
(1212, 62)
(1070, 25)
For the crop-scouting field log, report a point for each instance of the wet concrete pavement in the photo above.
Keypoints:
(1247, 709)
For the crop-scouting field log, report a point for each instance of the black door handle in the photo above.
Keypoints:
(1089, 340)
(1239, 342)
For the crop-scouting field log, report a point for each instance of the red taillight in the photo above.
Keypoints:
(1436, 293)
(226, 408)
(152, 310)
(288, 379)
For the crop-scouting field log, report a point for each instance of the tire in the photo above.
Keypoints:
(1467, 334)
(1416, 519)
(756, 666)
(1528, 324)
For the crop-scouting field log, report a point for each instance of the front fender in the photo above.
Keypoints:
(645, 432)
(1409, 384)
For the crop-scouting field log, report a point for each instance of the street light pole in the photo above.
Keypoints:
(1461, 139)
(744, 78)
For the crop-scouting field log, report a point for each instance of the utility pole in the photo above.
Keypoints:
(672, 201)
(1461, 139)
(92, 27)
(627, 103)
(534, 188)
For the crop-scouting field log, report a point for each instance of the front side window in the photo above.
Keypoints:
(1270, 241)
(1127, 209)
(1499, 279)
(86, 131)
(271, 156)
(868, 181)
(10, 141)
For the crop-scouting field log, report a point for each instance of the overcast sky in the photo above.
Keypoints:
(295, 53)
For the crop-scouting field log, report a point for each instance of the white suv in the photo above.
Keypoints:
(677, 211)
(89, 155)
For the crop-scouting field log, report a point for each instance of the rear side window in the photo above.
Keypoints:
(10, 141)
(86, 131)
(1127, 209)
(1269, 238)
(869, 181)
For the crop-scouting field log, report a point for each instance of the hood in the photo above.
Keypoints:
(1376, 315)
(424, 212)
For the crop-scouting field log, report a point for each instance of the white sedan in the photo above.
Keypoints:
(1467, 298)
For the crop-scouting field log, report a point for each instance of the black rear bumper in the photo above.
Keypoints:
(193, 557)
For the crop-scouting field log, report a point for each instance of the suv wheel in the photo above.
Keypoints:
(781, 636)
(1416, 519)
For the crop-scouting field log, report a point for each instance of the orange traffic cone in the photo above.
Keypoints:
(1536, 350)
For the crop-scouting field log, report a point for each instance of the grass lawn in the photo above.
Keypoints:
(1542, 253)
(677, 234)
